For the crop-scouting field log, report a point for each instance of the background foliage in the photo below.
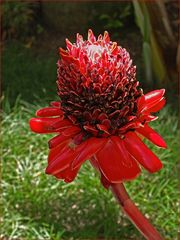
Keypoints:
(36, 206)
(37, 29)
(21, 20)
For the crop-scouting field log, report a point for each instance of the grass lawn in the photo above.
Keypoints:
(37, 206)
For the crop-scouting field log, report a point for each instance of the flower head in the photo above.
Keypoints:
(101, 115)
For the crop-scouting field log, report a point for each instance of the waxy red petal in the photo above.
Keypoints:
(68, 174)
(58, 149)
(140, 102)
(65, 157)
(71, 131)
(126, 159)
(61, 124)
(55, 141)
(43, 125)
(158, 106)
(154, 96)
(55, 104)
(113, 163)
(146, 102)
(66, 134)
(78, 138)
(95, 164)
(142, 153)
(153, 136)
(61, 162)
(49, 112)
(92, 146)
(152, 106)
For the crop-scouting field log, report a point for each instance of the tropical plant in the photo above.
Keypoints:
(19, 20)
(159, 43)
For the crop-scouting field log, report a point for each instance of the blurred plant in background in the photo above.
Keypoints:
(118, 19)
(160, 45)
(20, 21)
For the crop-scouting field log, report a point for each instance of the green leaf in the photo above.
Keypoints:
(147, 24)
(126, 11)
(104, 17)
(148, 62)
(139, 17)
(157, 59)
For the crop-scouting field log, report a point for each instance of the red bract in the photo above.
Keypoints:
(102, 114)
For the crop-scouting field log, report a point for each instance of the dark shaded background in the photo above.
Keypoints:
(33, 32)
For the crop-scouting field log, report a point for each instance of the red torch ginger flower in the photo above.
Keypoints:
(101, 115)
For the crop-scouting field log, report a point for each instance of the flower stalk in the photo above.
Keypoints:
(133, 213)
